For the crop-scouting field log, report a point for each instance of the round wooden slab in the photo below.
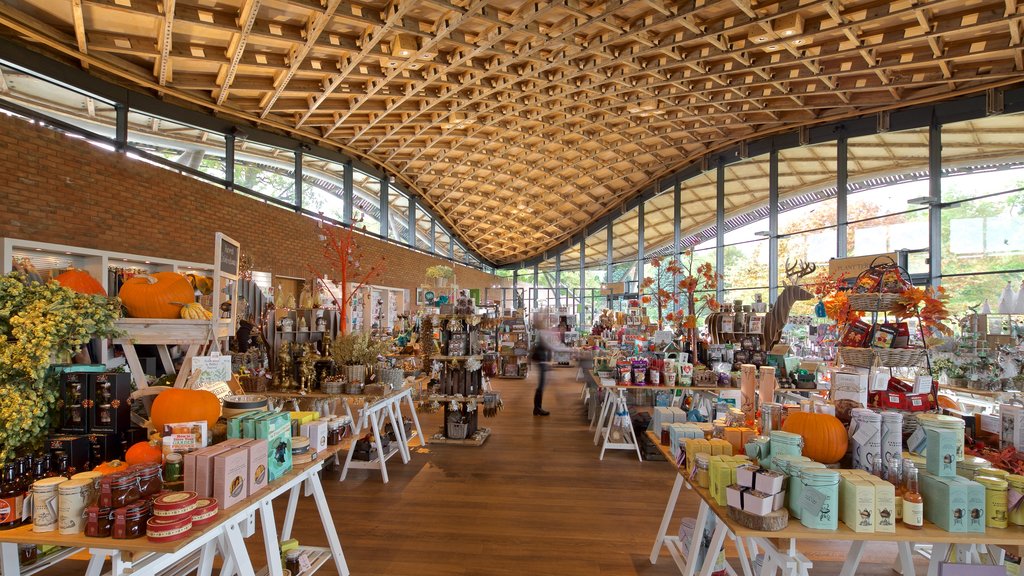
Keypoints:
(771, 523)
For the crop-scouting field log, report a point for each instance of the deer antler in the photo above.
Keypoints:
(799, 269)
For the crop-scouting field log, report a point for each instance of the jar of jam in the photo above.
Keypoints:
(150, 482)
(98, 521)
(333, 432)
(130, 520)
(118, 490)
(27, 554)
(291, 561)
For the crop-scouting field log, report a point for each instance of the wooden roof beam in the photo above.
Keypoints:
(162, 69)
(78, 20)
(298, 55)
(246, 18)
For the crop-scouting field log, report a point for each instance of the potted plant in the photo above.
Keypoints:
(440, 274)
(355, 353)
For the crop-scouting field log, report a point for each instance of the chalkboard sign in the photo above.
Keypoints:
(228, 256)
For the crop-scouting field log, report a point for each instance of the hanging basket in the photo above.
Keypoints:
(859, 357)
(897, 357)
(873, 302)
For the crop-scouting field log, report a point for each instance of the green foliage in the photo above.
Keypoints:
(37, 323)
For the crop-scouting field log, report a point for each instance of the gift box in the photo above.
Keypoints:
(768, 482)
(734, 496)
(954, 504)
(941, 452)
(885, 504)
(745, 476)
(760, 503)
(857, 502)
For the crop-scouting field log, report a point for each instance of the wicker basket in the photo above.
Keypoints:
(373, 390)
(896, 357)
(873, 302)
(335, 386)
(457, 430)
(353, 387)
(860, 357)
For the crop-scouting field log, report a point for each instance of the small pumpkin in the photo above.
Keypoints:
(184, 405)
(80, 281)
(143, 453)
(111, 467)
(825, 437)
(159, 295)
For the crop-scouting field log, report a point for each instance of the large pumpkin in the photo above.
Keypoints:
(143, 453)
(184, 405)
(825, 437)
(80, 281)
(159, 295)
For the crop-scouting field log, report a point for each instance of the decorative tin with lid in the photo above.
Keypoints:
(175, 505)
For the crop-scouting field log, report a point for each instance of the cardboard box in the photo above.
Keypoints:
(760, 503)
(199, 469)
(235, 423)
(941, 452)
(231, 477)
(304, 417)
(734, 496)
(769, 482)
(316, 431)
(885, 504)
(275, 428)
(258, 473)
(954, 504)
(745, 477)
(857, 503)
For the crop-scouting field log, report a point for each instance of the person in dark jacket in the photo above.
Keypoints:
(541, 355)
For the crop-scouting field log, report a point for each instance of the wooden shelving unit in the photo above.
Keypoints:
(513, 348)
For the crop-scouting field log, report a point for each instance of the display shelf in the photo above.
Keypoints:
(985, 393)
(49, 560)
(469, 357)
(317, 558)
(478, 439)
(457, 398)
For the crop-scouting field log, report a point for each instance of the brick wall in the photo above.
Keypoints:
(66, 191)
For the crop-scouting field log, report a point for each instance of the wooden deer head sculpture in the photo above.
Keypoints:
(775, 320)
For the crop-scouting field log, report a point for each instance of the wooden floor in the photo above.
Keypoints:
(534, 500)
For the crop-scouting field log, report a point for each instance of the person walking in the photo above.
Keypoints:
(541, 355)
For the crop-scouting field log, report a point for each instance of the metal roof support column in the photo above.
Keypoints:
(298, 180)
(773, 224)
(558, 280)
(842, 191)
(583, 283)
(384, 210)
(935, 206)
(347, 194)
(720, 229)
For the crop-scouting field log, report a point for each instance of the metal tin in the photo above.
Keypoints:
(1015, 499)
(970, 466)
(44, 504)
(865, 437)
(165, 530)
(73, 497)
(795, 486)
(996, 500)
(825, 482)
(943, 422)
(175, 505)
(204, 512)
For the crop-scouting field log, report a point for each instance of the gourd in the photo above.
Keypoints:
(80, 281)
(111, 467)
(159, 295)
(825, 437)
(195, 311)
(204, 284)
(143, 453)
(184, 405)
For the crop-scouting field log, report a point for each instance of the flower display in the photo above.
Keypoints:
(38, 322)
(929, 305)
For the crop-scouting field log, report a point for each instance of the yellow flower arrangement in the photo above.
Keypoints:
(37, 323)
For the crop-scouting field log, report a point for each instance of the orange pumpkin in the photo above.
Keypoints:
(825, 437)
(184, 405)
(159, 295)
(111, 467)
(143, 453)
(80, 281)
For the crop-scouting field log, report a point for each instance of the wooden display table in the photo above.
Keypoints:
(791, 561)
(373, 414)
(197, 551)
(194, 334)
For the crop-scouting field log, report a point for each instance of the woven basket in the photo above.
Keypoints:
(860, 357)
(336, 386)
(373, 389)
(895, 357)
(872, 302)
(354, 387)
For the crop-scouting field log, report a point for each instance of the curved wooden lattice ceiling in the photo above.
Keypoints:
(520, 122)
